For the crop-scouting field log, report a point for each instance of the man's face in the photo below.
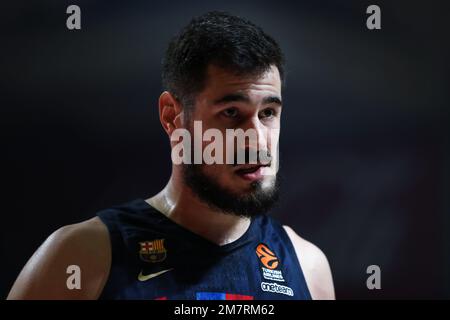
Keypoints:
(230, 101)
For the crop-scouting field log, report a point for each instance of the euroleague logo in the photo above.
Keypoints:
(266, 256)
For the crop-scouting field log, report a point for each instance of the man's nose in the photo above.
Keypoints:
(258, 140)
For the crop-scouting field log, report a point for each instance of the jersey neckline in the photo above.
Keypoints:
(244, 239)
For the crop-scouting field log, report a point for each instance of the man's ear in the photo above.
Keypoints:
(170, 111)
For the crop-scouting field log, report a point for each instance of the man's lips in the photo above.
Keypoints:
(246, 168)
(250, 172)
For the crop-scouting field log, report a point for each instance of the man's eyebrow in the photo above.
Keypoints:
(272, 99)
(241, 97)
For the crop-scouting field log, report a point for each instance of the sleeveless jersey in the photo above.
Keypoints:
(155, 258)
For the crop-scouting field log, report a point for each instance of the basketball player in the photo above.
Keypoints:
(206, 235)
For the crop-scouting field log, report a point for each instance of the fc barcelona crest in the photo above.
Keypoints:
(153, 251)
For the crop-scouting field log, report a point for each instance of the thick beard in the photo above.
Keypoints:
(256, 202)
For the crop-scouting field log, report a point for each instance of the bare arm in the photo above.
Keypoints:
(86, 245)
(315, 266)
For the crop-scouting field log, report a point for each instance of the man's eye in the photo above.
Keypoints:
(267, 113)
(230, 112)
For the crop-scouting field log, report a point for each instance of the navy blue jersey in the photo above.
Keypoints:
(155, 258)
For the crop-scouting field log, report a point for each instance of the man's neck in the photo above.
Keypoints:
(178, 203)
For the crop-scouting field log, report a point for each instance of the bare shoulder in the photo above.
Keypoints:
(85, 245)
(315, 267)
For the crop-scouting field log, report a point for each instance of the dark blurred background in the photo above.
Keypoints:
(364, 146)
